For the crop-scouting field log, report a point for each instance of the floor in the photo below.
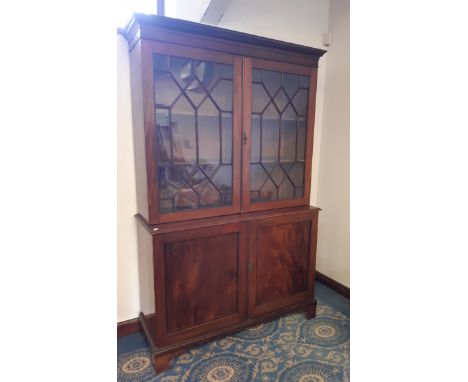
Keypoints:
(289, 349)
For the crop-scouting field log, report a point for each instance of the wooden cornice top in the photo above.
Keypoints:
(151, 26)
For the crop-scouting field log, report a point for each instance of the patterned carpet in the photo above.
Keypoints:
(289, 349)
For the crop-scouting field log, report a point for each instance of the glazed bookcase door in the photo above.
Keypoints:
(195, 99)
(278, 120)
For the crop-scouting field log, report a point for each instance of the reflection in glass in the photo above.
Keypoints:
(278, 175)
(226, 72)
(281, 100)
(183, 132)
(255, 138)
(301, 139)
(297, 174)
(196, 92)
(163, 133)
(268, 191)
(300, 101)
(260, 98)
(222, 95)
(209, 196)
(290, 84)
(166, 90)
(286, 190)
(208, 133)
(270, 135)
(226, 126)
(288, 135)
(258, 176)
(272, 81)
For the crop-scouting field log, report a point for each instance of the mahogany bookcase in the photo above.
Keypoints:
(223, 132)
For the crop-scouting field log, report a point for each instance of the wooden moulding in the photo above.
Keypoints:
(332, 284)
(156, 229)
(160, 28)
(125, 328)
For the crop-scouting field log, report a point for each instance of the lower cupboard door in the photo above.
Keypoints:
(281, 262)
(200, 278)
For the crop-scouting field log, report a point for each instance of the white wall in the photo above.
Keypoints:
(128, 302)
(191, 10)
(333, 182)
(302, 22)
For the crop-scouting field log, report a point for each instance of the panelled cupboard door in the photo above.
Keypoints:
(200, 280)
(281, 262)
(278, 123)
(193, 131)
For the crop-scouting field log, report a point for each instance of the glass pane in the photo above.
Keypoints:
(208, 169)
(183, 132)
(194, 128)
(254, 196)
(226, 71)
(297, 174)
(208, 133)
(163, 135)
(160, 62)
(258, 176)
(300, 102)
(185, 198)
(166, 90)
(299, 193)
(270, 135)
(290, 83)
(223, 181)
(174, 192)
(304, 82)
(268, 191)
(260, 98)
(207, 73)
(287, 165)
(286, 190)
(272, 81)
(278, 135)
(301, 139)
(182, 70)
(196, 92)
(226, 149)
(255, 138)
(222, 95)
(281, 100)
(288, 135)
(257, 75)
(278, 175)
(208, 195)
(269, 166)
(166, 205)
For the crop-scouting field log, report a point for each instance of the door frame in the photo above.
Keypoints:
(249, 64)
(149, 48)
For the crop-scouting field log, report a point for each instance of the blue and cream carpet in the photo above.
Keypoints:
(288, 349)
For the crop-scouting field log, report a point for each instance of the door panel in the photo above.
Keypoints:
(196, 97)
(281, 262)
(279, 106)
(201, 281)
(196, 271)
